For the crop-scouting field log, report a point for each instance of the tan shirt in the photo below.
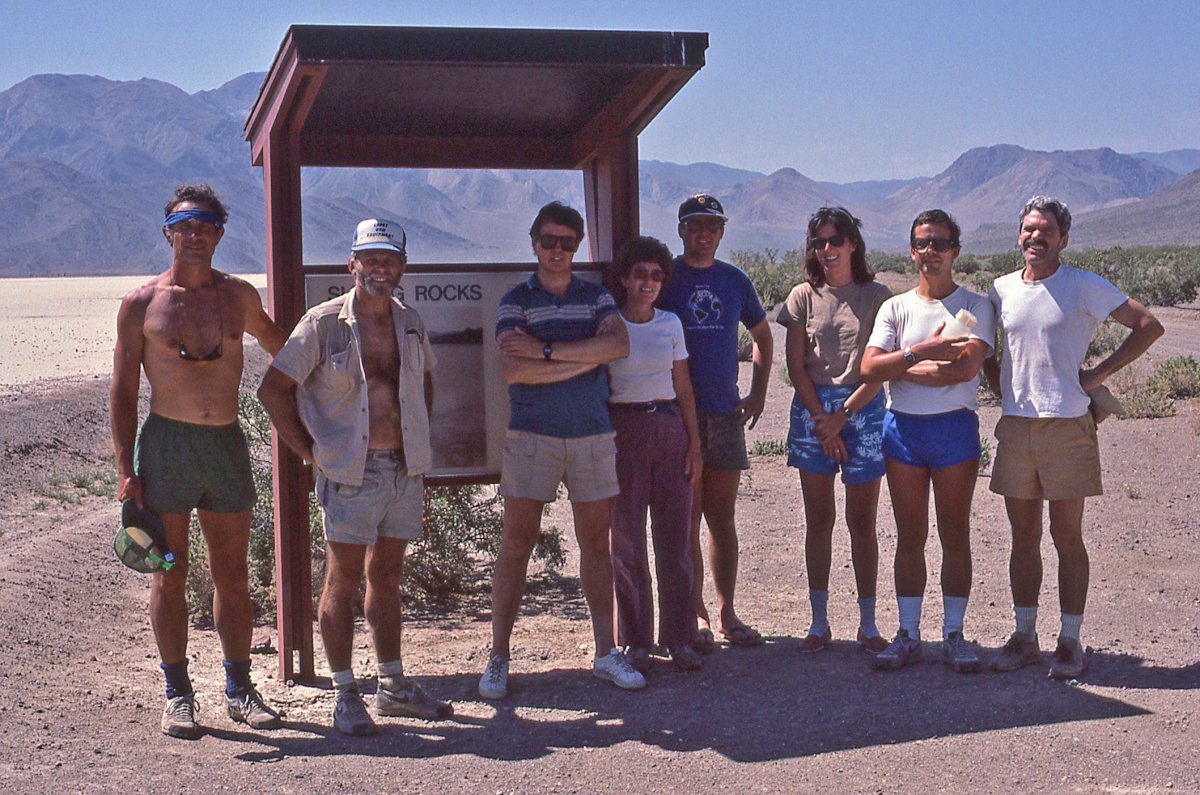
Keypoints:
(324, 356)
(837, 323)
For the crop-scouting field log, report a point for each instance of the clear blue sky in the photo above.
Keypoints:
(837, 90)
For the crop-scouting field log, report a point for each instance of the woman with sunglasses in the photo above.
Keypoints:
(836, 418)
(658, 461)
(929, 344)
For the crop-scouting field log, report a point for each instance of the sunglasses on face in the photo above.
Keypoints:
(938, 244)
(710, 225)
(550, 242)
(836, 241)
(653, 274)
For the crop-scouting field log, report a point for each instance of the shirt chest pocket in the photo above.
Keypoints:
(343, 371)
(412, 358)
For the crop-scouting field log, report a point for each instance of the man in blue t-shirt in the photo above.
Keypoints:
(711, 297)
(555, 332)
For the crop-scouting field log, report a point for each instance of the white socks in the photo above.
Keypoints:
(910, 615)
(1070, 626)
(343, 679)
(1026, 618)
(820, 621)
(866, 616)
(955, 610)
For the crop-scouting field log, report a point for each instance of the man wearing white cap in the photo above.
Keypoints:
(351, 393)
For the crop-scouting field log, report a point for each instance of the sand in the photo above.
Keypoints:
(63, 327)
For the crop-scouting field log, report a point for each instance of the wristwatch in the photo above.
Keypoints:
(547, 349)
(847, 412)
(909, 356)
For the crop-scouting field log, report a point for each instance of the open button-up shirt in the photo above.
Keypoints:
(324, 356)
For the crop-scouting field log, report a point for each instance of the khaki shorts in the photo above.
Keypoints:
(388, 504)
(1047, 458)
(534, 465)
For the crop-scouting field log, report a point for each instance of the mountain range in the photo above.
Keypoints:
(86, 164)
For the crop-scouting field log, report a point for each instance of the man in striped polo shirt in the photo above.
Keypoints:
(555, 333)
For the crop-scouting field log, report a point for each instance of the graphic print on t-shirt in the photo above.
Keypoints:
(705, 308)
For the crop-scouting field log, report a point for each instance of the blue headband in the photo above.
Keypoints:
(207, 216)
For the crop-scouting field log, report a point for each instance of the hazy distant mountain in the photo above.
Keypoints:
(868, 191)
(1171, 216)
(86, 164)
(991, 183)
(1181, 161)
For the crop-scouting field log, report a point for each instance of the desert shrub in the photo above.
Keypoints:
(1177, 377)
(1108, 337)
(768, 447)
(985, 453)
(1145, 403)
(462, 524)
(773, 276)
(889, 263)
(1162, 276)
(745, 351)
(967, 264)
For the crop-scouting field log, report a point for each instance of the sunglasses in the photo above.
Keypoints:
(653, 274)
(551, 242)
(710, 225)
(938, 244)
(837, 241)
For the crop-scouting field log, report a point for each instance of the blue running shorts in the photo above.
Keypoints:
(931, 441)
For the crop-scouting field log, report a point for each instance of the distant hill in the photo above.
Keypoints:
(991, 183)
(1171, 216)
(1181, 161)
(87, 162)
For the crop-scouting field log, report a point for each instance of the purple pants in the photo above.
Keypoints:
(651, 446)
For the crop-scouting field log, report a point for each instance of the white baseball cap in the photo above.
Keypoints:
(378, 233)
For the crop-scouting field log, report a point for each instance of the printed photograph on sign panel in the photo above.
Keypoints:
(459, 416)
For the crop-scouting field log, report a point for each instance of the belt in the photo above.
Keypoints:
(386, 455)
(648, 407)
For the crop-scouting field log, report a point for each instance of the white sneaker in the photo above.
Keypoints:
(494, 682)
(616, 669)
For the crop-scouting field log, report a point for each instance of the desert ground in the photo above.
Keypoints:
(80, 690)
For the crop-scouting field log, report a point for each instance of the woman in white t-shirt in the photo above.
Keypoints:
(658, 461)
(929, 345)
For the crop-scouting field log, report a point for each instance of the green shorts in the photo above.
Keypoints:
(183, 466)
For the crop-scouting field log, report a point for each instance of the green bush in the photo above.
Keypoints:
(1145, 403)
(769, 447)
(773, 276)
(1177, 377)
(1162, 276)
(889, 263)
(1108, 337)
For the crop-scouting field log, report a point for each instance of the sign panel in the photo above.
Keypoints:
(470, 398)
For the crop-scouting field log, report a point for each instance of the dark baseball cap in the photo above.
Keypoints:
(702, 204)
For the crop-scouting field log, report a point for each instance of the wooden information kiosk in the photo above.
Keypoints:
(399, 97)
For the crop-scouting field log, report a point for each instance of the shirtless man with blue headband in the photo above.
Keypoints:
(184, 327)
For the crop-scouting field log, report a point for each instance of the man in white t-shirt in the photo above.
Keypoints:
(1046, 437)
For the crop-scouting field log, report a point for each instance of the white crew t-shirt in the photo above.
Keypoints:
(645, 374)
(1047, 325)
(907, 319)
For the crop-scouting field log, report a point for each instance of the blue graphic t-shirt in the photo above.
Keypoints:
(710, 302)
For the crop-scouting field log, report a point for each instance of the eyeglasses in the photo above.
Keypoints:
(710, 225)
(550, 242)
(653, 274)
(186, 355)
(837, 241)
(938, 244)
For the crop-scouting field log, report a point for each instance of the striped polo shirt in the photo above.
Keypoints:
(578, 406)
